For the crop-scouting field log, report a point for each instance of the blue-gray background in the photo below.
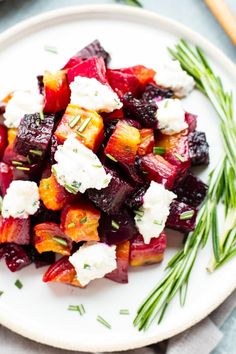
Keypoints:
(192, 13)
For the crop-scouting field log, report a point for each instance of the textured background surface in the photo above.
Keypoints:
(192, 13)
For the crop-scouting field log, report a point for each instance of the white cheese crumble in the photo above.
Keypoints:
(152, 217)
(78, 168)
(171, 75)
(21, 200)
(171, 116)
(21, 103)
(93, 261)
(91, 94)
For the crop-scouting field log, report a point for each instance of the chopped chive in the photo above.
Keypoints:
(103, 322)
(36, 152)
(83, 220)
(115, 225)
(51, 49)
(78, 308)
(139, 212)
(78, 133)
(87, 266)
(17, 163)
(157, 150)
(18, 284)
(60, 240)
(179, 157)
(70, 225)
(41, 115)
(28, 160)
(84, 125)
(186, 215)
(156, 222)
(74, 121)
(37, 122)
(71, 189)
(111, 157)
(97, 166)
(1, 293)
(22, 168)
(124, 312)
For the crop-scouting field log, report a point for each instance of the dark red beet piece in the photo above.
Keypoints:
(34, 134)
(126, 229)
(153, 91)
(53, 148)
(109, 129)
(122, 82)
(45, 215)
(142, 111)
(40, 84)
(191, 120)
(2, 107)
(5, 177)
(16, 257)
(159, 170)
(199, 148)
(3, 139)
(10, 155)
(15, 230)
(111, 199)
(175, 221)
(94, 49)
(40, 259)
(191, 190)
(135, 201)
(133, 123)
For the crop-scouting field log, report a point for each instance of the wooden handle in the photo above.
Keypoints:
(225, 17)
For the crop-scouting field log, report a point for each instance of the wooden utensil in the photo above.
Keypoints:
(225, 17)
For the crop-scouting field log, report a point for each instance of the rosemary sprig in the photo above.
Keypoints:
(221, 188)
(131, 2)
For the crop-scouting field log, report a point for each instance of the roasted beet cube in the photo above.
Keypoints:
(62, 271)
(56, 91)
(94, 49)
(73, 119)
(182, 217)
(40, 259)
(10, 156)
(3, 139)
(111, 199)
(34, 135)
(122, 82)
(191, 120)
(142, 111)
(144, 254)
(45, 215)
(109, 128)
(142, 73)
(5, 177)
(159, 170)
(135, 201)
(15, 230)
(123, 143)
(133, 172)
(147, 142)
(191, 190)
(79, 221)
(199, 148)
(176, 150)
(54, 143)
(117, 228)
(120, 274)
(91, 68)
(49, 237)
(154, 92)
(16, 257)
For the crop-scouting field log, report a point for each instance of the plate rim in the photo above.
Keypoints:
(211, 49)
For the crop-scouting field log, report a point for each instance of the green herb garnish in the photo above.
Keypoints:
(115, 225)
(84, 125)
(51, 49)
(74, 121)
(124, 312)
(22, 168)
(1, 293)
(87, 266)
(139, 212)
(179, 157)
(222, 188)
(17, 163)
(36, 152)
(158, 150)
(186, 215)
(103, 322)
(70, 225)
(83, 220)
(111, 157)
(18, 284)
(60, 240)
(78, 308)
(41, 115)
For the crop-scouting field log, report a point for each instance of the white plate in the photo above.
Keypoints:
(39, 311)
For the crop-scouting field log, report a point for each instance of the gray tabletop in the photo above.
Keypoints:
(192, 13)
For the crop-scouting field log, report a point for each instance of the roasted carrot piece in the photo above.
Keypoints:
(11, 135)
(120, 274)
(147, 142)
(79, 221)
